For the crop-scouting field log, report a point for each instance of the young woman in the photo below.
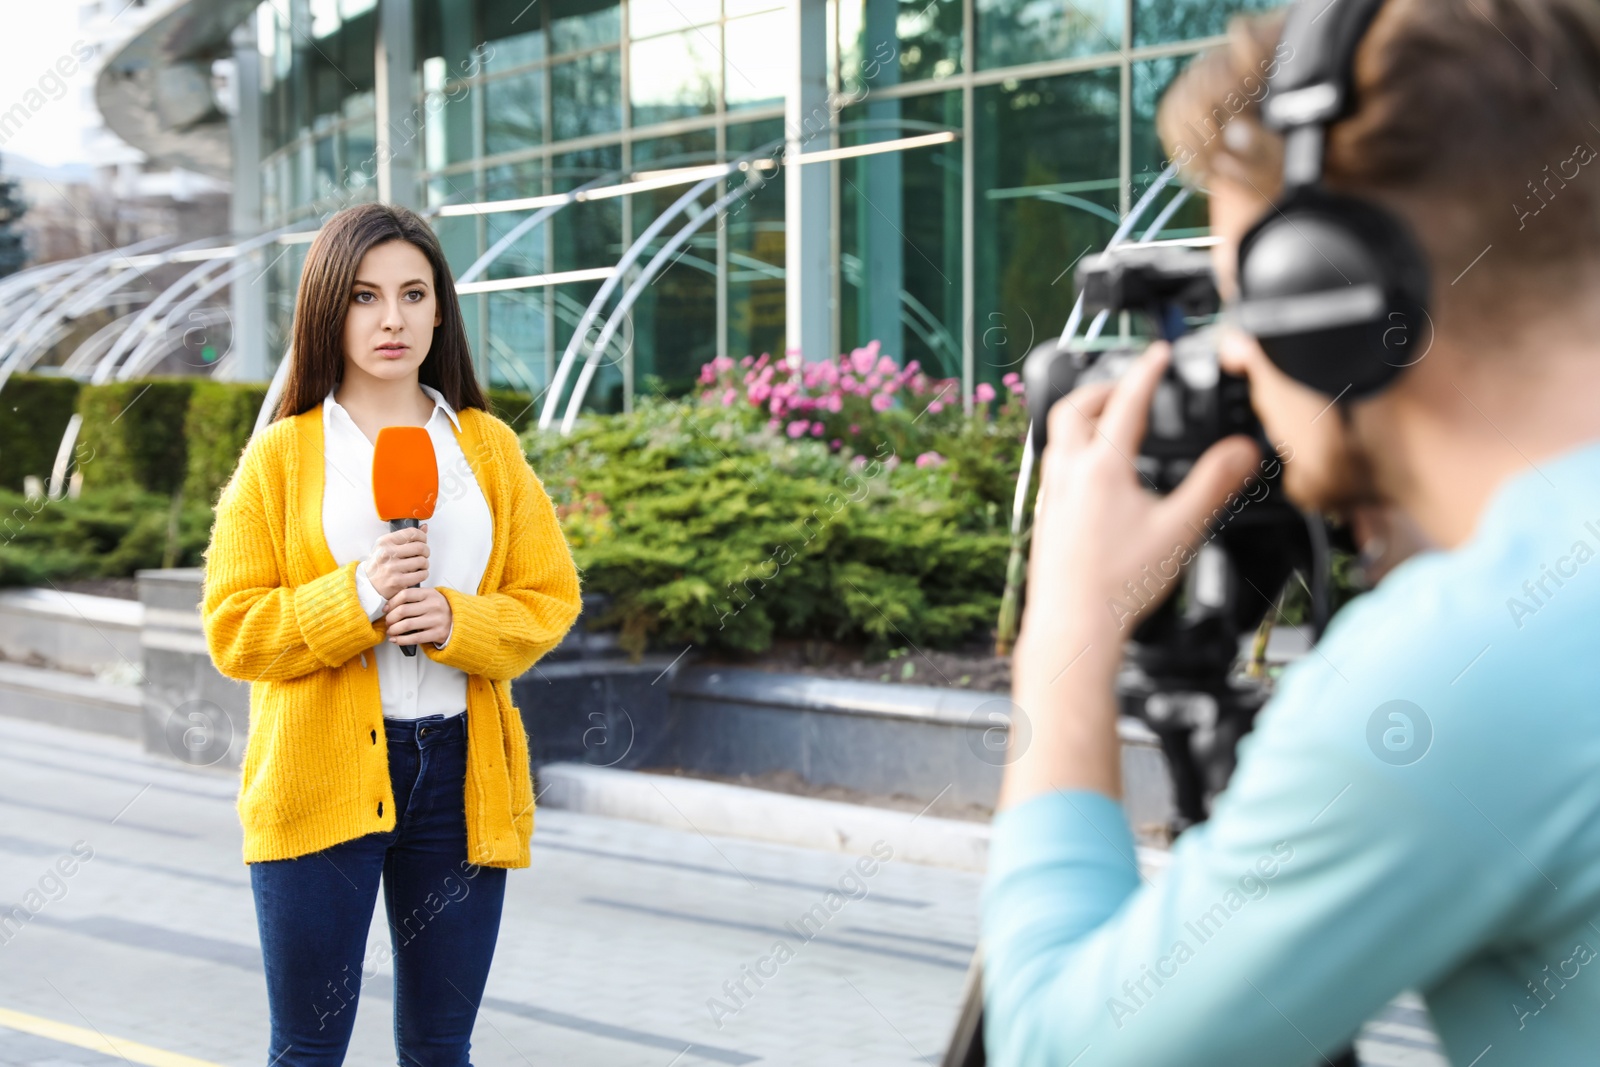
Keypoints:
(310, 598)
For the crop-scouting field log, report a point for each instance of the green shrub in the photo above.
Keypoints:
(34, 412)
(513, 407)
(217, 426)
(134, 433)
(703, 530)
(107, 533)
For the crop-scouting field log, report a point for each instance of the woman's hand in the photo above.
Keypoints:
(399, 561)
(418, 615)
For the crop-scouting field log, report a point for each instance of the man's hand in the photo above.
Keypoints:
(417, 615)
(1096, 527)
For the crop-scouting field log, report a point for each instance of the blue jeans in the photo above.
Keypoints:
(314, 911)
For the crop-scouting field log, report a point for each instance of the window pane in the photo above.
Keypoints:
(360, 156)
(442, 33)
(755, 245)
(579, 24)
(888, 41)
(515, 354)
(1046, 192)
(513, 112)
(1155, 21)
(647, 17)
(447, 122)
(512, 28)
(760, 74)
(1150, 81)
(675, 318)
(586, 95)
(586, 235)
(675, 76)
(511, 181)
(518, 51)
(900, 234)
(1027, 31)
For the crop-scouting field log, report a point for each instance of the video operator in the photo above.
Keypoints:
(1418, 806)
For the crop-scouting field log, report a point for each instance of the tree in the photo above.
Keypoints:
(13, 255)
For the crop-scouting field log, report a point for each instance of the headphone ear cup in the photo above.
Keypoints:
(1335, 290)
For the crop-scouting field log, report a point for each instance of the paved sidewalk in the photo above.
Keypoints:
(611, 946)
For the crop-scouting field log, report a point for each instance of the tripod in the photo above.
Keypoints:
(1177, 677)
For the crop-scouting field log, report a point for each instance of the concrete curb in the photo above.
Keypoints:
(699, 806)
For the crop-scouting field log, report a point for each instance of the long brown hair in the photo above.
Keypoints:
(323, 301)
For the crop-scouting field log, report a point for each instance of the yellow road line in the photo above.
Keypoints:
(132, 1051)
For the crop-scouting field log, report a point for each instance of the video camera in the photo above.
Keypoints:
(1177, 675)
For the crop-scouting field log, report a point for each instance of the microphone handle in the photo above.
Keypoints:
(406, 524)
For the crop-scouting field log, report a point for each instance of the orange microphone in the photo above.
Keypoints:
(405, 481)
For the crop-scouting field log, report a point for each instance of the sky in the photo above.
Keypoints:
(36, 34)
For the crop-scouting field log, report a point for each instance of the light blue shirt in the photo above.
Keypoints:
(1448, 844)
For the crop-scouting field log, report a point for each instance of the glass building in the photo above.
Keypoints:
(968, 152)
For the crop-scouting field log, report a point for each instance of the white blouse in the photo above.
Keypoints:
(460, 536)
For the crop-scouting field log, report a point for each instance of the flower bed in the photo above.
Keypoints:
(730, 520)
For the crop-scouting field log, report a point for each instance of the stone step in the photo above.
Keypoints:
(76, 701)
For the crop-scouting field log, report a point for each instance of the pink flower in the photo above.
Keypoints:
(874, 380)
(817, 429)
(1010, 379)
(886, 365)
(797, 428)
(847, 382)
(914, 366)
(1015, 387)
(881, 401)
(891, 463)
(746, 361)
(861, 360)
(835, 443)
(984, 392)
(728, 397)
(859, 462)
(759, 393)
(834, 401)
(855, 428)
(762, 362)
(930, 459)
(936, 407)
(773, 424)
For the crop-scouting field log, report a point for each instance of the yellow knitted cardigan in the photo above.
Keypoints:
(279, 613)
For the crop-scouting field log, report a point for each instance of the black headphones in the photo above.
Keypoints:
(1335, 288)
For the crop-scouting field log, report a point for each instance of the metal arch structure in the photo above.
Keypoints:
(651, 269)
(137, 336)
(94, 347)
(149, 347)
(631, 256)
(1025, 474)
(54, 284)
(609, 286)
(516, 232)
(472, 273)
(65, 298)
